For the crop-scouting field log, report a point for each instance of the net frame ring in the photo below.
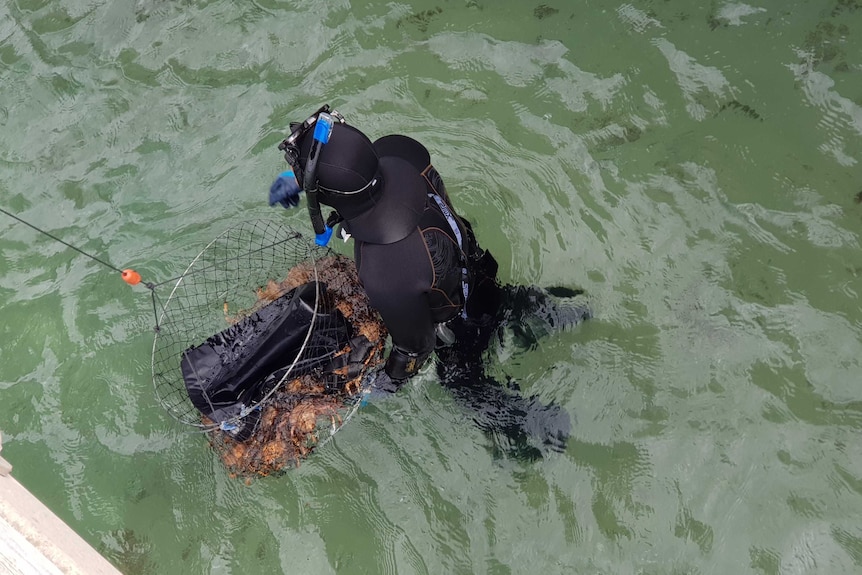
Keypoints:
(167, 378)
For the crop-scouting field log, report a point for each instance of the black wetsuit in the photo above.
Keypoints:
(418, 282)
(422, 269)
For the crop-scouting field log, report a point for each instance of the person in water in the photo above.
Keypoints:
(422, 268)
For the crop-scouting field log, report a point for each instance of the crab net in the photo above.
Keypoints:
(267, 343)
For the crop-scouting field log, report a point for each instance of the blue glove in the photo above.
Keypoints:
(285, 190)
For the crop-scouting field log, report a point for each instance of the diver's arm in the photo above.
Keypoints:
(397, 286)
(408, 318)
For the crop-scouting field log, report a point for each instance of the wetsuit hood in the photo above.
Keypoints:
(381, 196)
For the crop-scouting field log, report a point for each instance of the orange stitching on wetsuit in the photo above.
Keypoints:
(433, 269)
(424, 174)
(448, 234)
(430, 259)
(449, 305)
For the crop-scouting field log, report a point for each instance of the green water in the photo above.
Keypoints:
(694, 166)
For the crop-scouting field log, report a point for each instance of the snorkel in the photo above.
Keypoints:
(285, 189)
(322, 131)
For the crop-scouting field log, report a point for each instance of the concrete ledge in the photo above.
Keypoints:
(34, 541)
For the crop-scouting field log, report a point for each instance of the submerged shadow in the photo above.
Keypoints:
(520, 427)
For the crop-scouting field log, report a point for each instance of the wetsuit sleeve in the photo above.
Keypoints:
(397, 278)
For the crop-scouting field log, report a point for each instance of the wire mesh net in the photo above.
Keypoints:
(279, 327)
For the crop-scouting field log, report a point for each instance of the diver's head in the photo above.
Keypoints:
(380, 198)
(346, 175)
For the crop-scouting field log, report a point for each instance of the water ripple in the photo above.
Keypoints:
(701, 196)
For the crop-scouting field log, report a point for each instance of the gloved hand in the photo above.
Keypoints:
(403, 364)
(285, 190)
(383, 384)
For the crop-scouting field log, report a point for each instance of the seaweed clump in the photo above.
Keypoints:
(291, 419)
(543, 11)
